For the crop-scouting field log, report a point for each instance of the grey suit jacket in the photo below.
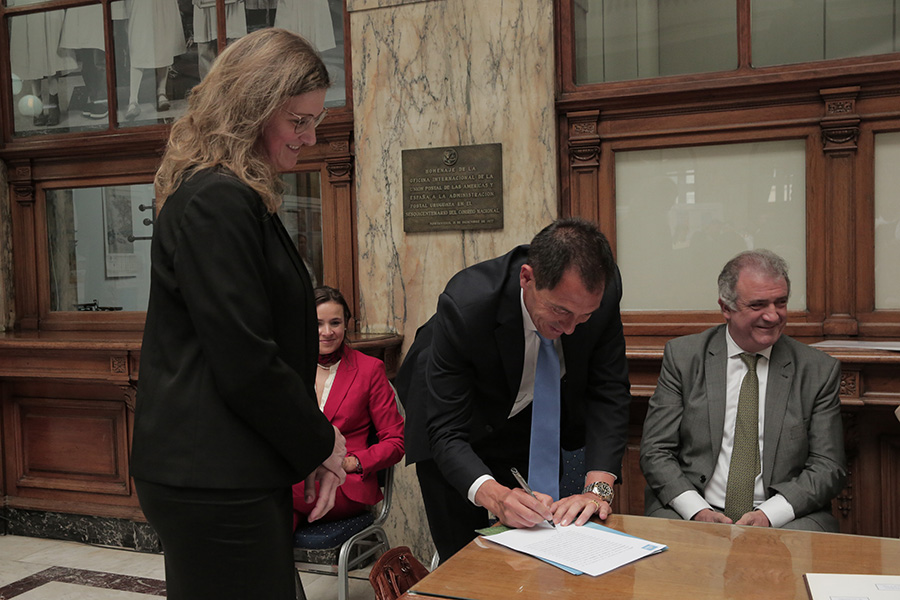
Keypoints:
(803, 450)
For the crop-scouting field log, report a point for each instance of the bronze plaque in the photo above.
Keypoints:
(460, 187)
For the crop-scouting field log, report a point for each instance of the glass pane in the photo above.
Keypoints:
(681, 213)
(810, 30)
(59, 71)
(301, 214)
(319, 21)
(153, 71)
(887, 221)
(617, 40)
(99, 243)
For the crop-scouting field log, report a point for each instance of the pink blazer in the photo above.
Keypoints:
(362, 399)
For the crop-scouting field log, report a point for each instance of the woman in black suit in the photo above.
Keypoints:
(226, 418)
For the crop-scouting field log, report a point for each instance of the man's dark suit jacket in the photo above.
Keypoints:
(225, 394)
(460, 378)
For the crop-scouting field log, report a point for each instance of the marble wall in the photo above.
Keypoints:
(439, 73)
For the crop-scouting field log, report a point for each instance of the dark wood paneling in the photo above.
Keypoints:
(68, 399)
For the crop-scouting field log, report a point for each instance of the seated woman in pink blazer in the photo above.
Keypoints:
(355, 395)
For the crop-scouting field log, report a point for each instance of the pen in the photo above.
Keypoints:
(525, 487)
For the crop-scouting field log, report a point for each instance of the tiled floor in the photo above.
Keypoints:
(39, 569)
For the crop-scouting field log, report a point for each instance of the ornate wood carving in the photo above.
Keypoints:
(339, 170)
(840, 125)
(849, 384)
(20, 173)
(118, 364)
(130, 394)
(24, 194)
(584, 139)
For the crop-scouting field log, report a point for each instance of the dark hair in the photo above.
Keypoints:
(325, 294)
(571, 243)
(762, 261)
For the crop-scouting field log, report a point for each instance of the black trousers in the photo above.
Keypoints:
(223, 544)
(452, 519)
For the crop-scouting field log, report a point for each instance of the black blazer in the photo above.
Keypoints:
(461, 376)
(225, 395)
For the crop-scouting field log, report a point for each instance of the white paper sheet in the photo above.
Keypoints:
(839, 586)
(858, 345)
(592, 549)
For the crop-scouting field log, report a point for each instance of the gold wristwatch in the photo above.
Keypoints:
(600, 489)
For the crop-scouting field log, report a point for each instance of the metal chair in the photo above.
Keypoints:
(338, 547)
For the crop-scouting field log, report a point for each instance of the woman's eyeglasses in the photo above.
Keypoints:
(304, 122)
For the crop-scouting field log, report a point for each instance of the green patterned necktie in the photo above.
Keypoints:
(745, 452)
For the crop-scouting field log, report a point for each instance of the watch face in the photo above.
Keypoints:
(602, 489)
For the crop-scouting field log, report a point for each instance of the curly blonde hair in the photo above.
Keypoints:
(252, 79)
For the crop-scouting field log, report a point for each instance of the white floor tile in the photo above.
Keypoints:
(13, 570)
(94, 558)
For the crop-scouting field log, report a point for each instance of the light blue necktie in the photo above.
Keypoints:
(543, 462)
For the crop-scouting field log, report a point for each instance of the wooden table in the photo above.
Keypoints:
(704, 560)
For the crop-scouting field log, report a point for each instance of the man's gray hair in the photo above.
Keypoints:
(762, 261)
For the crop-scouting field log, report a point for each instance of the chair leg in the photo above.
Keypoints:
(343, 581)
(298, 585)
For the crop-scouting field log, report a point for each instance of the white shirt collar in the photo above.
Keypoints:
(527, 323)
(734, 350)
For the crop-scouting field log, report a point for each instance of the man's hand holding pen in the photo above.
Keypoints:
(514, 507)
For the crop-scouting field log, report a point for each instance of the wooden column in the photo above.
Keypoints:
(840, 132)
(583, 168)
(23, 232)
(338, 216)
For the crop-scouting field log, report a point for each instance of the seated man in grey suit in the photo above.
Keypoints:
(711, 404)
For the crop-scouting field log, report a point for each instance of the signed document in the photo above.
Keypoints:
(592, 549)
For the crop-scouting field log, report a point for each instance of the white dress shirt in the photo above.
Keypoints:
(526, 385)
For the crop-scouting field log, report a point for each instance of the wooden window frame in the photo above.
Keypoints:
(836, 106)
(114, 156)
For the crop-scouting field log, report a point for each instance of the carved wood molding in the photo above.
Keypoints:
(130, 396)
(339, 171)
(584, 138)
(339, 161)
(23, 193)
(20, 172)
(339, 147)
(840, 125)
(118, 364)
(584, 154)
(849, 384)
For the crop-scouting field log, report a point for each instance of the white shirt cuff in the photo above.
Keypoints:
(689, 503)
(473, 489)
(778, 510)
